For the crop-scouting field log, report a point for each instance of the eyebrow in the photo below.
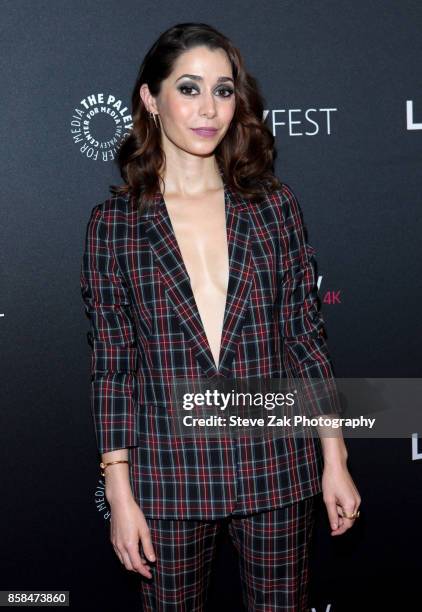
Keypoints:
(196, 77)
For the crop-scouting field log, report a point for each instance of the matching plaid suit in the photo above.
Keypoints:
(146, 330)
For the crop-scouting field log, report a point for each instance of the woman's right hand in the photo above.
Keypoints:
(128, 526)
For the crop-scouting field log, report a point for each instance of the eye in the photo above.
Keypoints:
(189, 88)
(184, 87)
(228, 89)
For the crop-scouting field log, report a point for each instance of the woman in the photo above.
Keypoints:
(215, 280)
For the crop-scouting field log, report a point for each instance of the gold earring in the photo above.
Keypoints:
(152, 116)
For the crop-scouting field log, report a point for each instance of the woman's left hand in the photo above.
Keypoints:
(340, 496)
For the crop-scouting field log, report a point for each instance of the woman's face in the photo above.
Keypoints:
(204, 99)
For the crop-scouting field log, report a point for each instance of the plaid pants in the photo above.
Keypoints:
(273, 558)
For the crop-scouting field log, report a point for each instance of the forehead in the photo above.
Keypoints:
(201, 61)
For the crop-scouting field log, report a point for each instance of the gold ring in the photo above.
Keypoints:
(352, 516)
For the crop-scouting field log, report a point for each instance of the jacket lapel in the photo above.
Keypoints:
(178, 288)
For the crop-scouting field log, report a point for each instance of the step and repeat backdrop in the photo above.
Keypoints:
(342, 88)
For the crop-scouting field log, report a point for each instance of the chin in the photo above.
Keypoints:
(206, 147)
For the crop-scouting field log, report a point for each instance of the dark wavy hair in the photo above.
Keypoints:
(245, 156)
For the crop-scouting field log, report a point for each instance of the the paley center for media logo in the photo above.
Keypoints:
(99, 124)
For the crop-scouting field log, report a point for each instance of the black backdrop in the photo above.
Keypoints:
(342, 87)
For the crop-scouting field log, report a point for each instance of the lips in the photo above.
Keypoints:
(204, 131)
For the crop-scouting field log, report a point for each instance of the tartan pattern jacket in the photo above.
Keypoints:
(146, 330)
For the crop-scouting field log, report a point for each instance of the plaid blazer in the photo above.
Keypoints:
(146, 330)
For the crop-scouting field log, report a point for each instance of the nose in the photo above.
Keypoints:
(207, 105)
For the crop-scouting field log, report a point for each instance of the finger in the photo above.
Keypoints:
(147, 546)
(332, 514)
(118, 553)
(143, 559)
(127, 560)
(343, 523)
(139, 564)
(340, 518)
(144, 570)
(348, 510)
(340, 530)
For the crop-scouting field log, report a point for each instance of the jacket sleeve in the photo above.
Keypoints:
(302, 326)
(112, 340)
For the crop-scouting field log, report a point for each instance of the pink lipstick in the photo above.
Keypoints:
(206, 132)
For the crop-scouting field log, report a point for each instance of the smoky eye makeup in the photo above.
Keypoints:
(193, 87)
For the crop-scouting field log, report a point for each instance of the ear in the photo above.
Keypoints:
(148, 99)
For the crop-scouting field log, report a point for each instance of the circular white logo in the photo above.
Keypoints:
(99, 125)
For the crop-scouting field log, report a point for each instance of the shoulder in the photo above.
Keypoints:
(114, 210)
(285, 205)
(112, 207)
(108, 217)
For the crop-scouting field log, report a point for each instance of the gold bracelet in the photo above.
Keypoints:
(103, 466)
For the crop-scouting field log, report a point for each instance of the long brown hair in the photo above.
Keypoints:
(246, 154)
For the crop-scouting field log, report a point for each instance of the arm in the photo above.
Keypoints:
(113, 352)
(302, 325)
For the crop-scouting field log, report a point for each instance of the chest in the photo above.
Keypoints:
(199, 261)
(200, 230)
